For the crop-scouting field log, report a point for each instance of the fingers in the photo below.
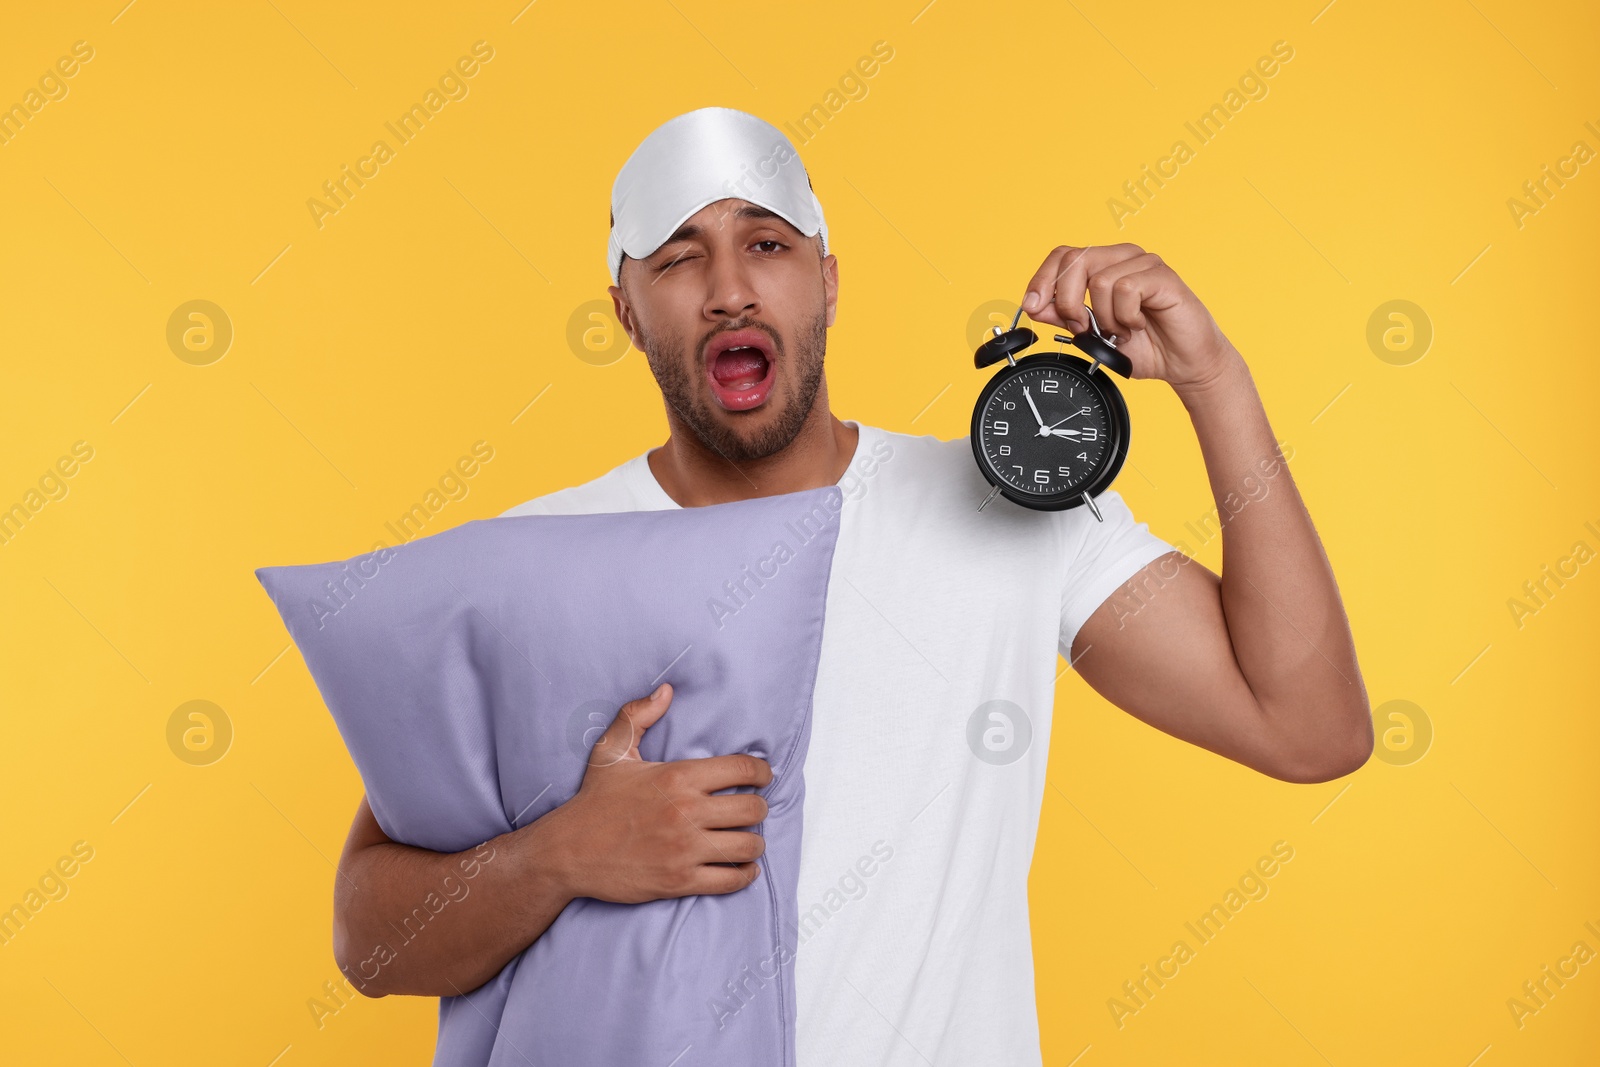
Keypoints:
(714, 879)
(711, 773)
(621, 739)
(1039, 302)
(727, 861)
(730, 810)
(1057, 288)
(1115, 292)
(728, 846)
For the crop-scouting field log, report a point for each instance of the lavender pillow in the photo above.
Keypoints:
(470, 672)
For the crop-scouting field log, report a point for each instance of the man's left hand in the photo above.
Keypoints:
(1160, 325)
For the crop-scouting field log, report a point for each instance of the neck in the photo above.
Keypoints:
(694, 476)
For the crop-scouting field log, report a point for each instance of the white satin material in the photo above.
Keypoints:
(698, 158)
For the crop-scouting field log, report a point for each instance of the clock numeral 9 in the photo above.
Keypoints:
(1001, 427)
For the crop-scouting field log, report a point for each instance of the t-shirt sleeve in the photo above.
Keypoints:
(1101, 556)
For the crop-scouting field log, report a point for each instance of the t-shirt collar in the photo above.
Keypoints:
(655, 498)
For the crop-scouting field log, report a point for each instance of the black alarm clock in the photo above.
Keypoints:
(1050, 431)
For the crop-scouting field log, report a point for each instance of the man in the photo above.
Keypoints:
(943, 623)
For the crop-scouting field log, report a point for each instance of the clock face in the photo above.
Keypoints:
(1046, 431)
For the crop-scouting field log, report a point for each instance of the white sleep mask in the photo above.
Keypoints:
(698, 158)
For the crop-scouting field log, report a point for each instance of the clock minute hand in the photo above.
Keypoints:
(1037, 417)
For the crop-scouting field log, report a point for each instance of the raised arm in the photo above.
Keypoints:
(1259, 664)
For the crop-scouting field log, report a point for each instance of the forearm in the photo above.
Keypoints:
(1285, 619)
(411, 921)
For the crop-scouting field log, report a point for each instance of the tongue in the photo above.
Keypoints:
(739, 368)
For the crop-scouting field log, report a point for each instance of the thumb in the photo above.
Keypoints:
(621, 739)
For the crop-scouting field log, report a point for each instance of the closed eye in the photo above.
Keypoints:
(767, 247)
(674, 261)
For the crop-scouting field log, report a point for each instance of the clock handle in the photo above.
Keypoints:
(1003, 345)
(1100, 351)
(1100, 347)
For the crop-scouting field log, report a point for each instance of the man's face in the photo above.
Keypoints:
(732, 313)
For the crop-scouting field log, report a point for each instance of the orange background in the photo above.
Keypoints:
(446, 303)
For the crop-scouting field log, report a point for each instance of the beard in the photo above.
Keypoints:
(678, 372)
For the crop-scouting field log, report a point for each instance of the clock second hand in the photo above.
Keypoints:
(1048, 431)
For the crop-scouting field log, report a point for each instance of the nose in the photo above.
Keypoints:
(730, 290)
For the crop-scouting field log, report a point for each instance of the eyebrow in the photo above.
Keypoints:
(689, 231)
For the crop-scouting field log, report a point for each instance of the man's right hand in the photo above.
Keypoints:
(638, 830)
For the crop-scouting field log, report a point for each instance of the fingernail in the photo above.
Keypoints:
(1030, 301)
(659, 690)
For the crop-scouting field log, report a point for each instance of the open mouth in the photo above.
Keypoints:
(740, 368)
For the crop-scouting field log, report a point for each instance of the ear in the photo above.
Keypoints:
(624, 310)
(830, 285)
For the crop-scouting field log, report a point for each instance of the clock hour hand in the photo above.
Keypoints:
(1063, 433)
(1037, 417)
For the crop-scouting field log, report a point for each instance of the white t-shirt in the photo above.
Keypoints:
(930, 731)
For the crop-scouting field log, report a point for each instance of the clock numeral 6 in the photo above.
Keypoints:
(1041, 477)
